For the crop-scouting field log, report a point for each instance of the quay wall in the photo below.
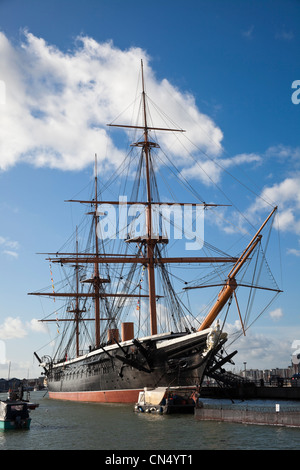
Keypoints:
(285, 418)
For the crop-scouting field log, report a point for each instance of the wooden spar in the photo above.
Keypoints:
(239, 285)
(86, 294)
(222, 299)
(231, 284)
(133, 260)
(149, 128)
(70, 319)
(143, 203)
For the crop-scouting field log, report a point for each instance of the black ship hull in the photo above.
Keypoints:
(117, 373)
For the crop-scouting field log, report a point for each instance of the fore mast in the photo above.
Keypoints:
(96, 278)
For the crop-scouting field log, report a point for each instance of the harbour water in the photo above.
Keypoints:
(63, 425)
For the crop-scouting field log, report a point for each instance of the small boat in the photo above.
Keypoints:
(14, 415)
(14, 412)
(164, 400)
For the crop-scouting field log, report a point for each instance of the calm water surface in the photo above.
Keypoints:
(63, 425)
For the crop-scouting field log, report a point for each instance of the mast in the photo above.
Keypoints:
(77, 300)
(96, 282)
(76, 310)
(150, 242)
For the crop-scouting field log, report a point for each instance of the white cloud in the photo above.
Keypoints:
(210, 171)
(285, 35)
(276, 314)
(9, 243)
(13, 254)
(12, 328)
(293, 251)
(287, 195)
(206, 171)
(284, 153)
(249, 32)
(259, 350)
(10, 247)
(37, 326)
(59, 103)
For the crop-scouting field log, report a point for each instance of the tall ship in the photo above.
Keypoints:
(124, 325)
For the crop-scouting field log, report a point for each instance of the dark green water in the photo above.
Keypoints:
(63, 425)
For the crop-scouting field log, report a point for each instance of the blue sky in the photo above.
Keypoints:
(231, 64)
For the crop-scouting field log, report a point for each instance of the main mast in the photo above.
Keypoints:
(150, 242)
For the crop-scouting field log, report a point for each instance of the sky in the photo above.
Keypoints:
(67, 68)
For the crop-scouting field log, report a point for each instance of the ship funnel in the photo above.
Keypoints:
(113, 336)
(127, 331)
